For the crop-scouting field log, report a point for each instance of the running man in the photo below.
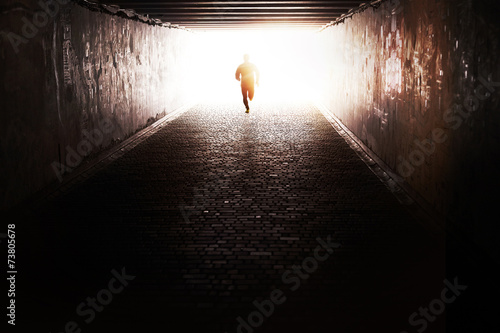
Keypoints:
(247, 73)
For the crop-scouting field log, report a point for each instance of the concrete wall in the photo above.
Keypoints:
(78, 82)
(419, 83)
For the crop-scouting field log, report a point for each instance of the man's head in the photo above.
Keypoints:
(246, 57)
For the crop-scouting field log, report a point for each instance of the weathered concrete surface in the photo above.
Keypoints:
(414, 81)
(75, 83)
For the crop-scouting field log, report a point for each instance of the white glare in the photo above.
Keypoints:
(284, 58)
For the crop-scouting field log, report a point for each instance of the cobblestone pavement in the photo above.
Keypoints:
(220, 209)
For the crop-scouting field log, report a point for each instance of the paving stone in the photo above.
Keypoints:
(211, 213)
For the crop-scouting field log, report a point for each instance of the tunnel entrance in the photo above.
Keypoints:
(287, 61)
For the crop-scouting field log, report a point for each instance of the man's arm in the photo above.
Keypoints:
(238, 72)
(257, 74)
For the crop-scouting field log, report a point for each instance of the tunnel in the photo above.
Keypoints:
(250, 166)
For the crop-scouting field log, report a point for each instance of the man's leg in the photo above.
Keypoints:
(251, 91)
(244, 91)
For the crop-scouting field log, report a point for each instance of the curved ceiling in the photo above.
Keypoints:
(204, 15)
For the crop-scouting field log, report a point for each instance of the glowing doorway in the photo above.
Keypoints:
(285, 59)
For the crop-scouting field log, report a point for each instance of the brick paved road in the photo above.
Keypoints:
(212, 213)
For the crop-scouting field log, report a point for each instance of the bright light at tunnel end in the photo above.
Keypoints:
(284, 57)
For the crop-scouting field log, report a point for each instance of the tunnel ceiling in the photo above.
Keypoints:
(205, 15)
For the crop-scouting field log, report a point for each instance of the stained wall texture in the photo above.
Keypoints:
(77, 81)
(419, 83)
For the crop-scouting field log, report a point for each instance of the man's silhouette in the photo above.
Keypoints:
(247, 73)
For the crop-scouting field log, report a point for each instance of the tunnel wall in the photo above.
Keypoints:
(418, 83)
(76, 81)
